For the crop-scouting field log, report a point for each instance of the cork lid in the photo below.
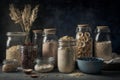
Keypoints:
(50, 30)
(83, 25)
(16, 34)
(103, 29)
(37, 31)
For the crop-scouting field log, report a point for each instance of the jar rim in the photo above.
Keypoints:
(10, 61)
(38, 31)
(50, 30)
(103, 29)
(67, 40)
(83, 25)
(45, 59)
(16, 34)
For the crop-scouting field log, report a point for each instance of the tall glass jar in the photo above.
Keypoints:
(103, 48)
(50, 44)
(84, 41)
(66, 56)
(14, 41)
(37, 40)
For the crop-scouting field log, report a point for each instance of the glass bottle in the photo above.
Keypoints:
(103, 48)
(84, 41)
(37, 40)
(14, 41)
(66, 56)
(50, 44)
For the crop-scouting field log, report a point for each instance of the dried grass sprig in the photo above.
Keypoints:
(34, 14)
(15, 15)
(25, 18)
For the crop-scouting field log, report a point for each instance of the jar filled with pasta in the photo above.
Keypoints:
(103, 45)
(14, 42)
(84, 41)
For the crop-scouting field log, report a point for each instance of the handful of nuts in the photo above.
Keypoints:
(84, 45)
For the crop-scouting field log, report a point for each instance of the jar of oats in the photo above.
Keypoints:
(66, 54)
(103, 46)
(14, 41)
(50, 43)
(84, 41)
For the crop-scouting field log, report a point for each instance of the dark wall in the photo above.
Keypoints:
(65, 15)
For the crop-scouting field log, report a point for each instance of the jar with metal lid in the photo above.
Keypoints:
(37, 40)
(50, 43)
(103, 47)
(10, 65)
(84, 42)
(66, 55)
(14, 41)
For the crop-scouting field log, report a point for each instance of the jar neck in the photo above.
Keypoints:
(37, 35)
(102, 36)
(16, 34)
(83, 29)
(66, 43)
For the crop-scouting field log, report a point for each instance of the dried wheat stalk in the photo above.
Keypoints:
(25, 18)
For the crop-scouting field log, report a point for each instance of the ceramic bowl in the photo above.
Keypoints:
(90, 64)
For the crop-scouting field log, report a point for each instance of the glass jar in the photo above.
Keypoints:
(28, 56)
(103, 48)
(66, 56)
(44, 64)
(14, 41)
(10, 65)
(84, 42)
(50, 44)
(37, 40)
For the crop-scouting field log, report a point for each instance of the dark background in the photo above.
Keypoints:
(65, 15)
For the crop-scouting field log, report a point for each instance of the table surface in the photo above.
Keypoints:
(55, 75)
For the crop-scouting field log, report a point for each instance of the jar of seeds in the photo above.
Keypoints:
(103, 48)
(84, 41)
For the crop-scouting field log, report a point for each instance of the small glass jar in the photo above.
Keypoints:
(50, 44)
(66, 56)
(14, 41)
(103, 47)
(44, 64)
(37, 40)
(10, 65)
(84, 46)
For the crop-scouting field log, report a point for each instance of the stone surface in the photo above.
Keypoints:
(55, 75)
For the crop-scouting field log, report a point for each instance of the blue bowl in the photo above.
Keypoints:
(90, 64)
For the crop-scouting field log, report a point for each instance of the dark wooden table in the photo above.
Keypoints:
(55, 75)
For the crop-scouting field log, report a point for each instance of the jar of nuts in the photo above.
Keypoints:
(84, 41)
